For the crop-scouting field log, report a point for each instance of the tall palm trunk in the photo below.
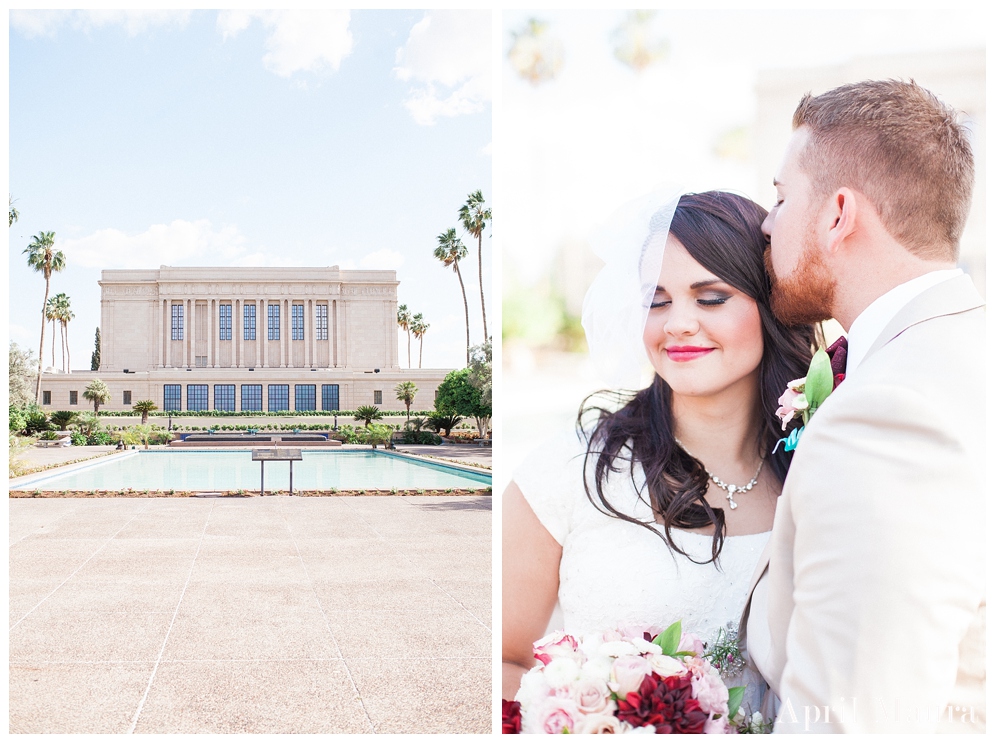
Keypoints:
(480, 272)
(65, 343)
(69, 359)
(421, 341)
(53, 342)
(466, 312)
(41, 343)
(409, 348)
(62, 339)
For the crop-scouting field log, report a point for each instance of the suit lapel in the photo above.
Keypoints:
(949, 297)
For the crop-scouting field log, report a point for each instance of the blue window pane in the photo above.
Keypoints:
(321, 322)
(249, 322)
(278, 397)
(252, 397)
(197, 397)
(224, 322)
(273, 322)
(329, 397)
(224, 397)
(296, 322)
(304, 397)
(171, 397)
(177, 322)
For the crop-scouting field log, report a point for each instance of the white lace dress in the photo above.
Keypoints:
(617, 574)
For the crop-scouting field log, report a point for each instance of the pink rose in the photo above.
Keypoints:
(600, 725)
(691, 644)
(556, 715)
(792, 402)
(556, 645)
(628, 673)
(711, 693)
(592, 696)
(717, 726)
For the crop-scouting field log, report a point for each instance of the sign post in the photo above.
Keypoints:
(275, 455)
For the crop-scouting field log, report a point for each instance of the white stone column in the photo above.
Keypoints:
(265, 334)
(213, 307)
(308, 333)
(238, 339)
(284, 333)
(158, 335)
(186, 331)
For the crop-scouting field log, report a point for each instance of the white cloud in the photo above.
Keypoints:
(32, 23)
(298, 40)
(448, 61)
(382, 259)
(179, 243)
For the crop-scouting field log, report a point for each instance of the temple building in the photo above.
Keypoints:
(247, 339)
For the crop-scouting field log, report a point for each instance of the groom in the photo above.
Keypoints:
(870, 614)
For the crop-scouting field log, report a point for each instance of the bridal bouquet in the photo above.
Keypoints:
(623, 682)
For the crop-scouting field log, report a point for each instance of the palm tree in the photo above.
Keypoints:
(418, 329)
(404, 321)
(65, 317)
(475, 218)
(63, 419)
(52, 315)
(144, 407)
(406, 394)
(14, 214)
(451, 251)
(368, 413)
(97, 393)
(44, 258)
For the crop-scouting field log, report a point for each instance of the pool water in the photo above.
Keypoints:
(232, 470)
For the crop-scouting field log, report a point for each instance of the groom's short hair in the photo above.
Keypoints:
(900, 146)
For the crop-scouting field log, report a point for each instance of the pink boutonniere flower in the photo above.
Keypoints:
(804, 396)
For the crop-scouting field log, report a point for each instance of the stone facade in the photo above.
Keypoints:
(255, 338)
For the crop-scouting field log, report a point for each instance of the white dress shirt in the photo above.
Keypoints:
(872, 321)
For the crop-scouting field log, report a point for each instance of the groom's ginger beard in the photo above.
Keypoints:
(807, 295)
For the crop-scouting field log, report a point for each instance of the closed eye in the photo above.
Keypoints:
(713, 302)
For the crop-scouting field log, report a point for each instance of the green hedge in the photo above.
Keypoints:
(250, 413)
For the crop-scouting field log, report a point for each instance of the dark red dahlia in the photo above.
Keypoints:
(664, 703)
(511, 717)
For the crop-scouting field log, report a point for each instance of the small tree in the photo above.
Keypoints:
(406, 394)
(480, 370)
(87, 423)
(95, 356)
(63, 419)
(138, 434)
(457, 395)
(443, 422)
(368, 414)
(22, 364)
(378, 433)
(97, 393)
(145, 407)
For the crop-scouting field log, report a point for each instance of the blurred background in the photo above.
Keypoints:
(599, 107)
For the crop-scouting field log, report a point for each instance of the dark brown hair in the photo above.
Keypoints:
(900, 146)
(721, 231)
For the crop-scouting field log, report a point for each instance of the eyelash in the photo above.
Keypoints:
(704, 302)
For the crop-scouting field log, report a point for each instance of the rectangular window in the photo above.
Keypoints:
(46, 397)
(378, 397)
(74, 397)
(278, 397)
(177, 322)
(171, 395)
(127, 397)
(321, 322)
(224, 322)
(249, 322)
(224, 397)
(252, 397)
(329, 397)
(197, 397)
(200, 361)
(296, 322)
(273, 321)
(304, 397)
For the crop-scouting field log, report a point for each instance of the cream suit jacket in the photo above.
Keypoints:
(875, 586)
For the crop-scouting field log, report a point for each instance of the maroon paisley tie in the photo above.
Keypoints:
(837, 360)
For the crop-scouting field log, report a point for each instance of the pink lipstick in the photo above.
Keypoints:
(687, 353)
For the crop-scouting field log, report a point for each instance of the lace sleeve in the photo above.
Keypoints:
(551, 481)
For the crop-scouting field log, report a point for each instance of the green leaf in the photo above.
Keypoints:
(735, 700)
(669, 639)
(818, 382)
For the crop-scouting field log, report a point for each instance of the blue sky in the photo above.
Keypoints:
(298, 138)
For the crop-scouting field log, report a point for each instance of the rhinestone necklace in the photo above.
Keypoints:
(731, 490)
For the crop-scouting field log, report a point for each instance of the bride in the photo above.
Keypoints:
(658, 510)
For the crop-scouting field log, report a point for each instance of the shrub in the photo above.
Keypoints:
(77, 438)
(17, 420)
(421, 437)
(36, 423)
(99, 438)
(49, 436)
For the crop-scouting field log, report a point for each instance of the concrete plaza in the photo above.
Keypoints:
(250, 615)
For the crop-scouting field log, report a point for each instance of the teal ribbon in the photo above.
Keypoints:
(791, 441)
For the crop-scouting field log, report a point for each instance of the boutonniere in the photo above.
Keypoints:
(804, 396)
